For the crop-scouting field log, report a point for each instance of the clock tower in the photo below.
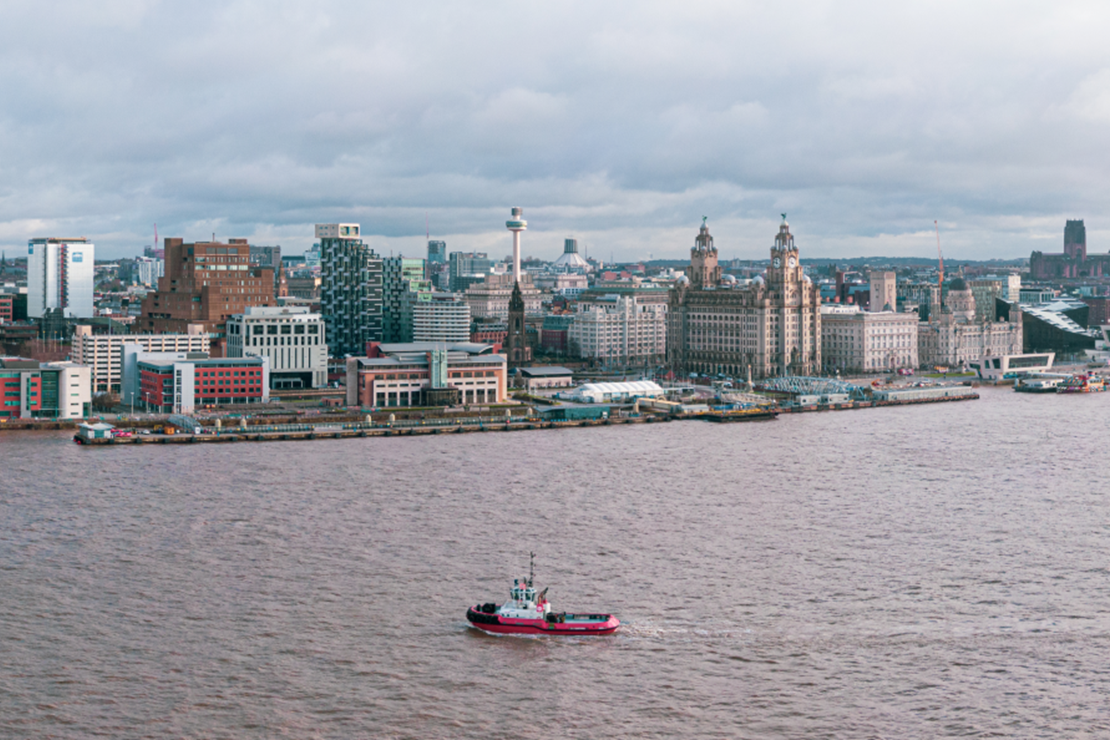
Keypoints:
(785, 272)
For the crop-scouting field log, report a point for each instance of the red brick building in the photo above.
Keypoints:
(205, 283)
(169, 383)
(5, 309)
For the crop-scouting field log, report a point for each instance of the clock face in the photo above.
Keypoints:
(792, 262)
(776, 262)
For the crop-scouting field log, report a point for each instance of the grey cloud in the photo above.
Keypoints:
(866, 121)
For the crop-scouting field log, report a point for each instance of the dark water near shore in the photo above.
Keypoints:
(917, 572)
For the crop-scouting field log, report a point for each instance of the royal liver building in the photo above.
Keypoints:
(772, 326)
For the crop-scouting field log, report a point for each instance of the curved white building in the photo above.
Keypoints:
(613, 392)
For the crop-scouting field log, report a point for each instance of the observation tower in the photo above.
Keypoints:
(516, 225)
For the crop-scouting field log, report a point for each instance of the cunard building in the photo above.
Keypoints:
(772, 326)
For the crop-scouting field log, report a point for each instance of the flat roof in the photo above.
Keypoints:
(473, 348)
(550, 371)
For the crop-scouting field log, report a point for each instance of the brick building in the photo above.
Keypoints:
(205, 283)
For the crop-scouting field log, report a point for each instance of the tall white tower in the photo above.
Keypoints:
(60, 275)
(516, 225)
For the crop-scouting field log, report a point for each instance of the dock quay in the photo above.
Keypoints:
(86, 434)
(105, 434)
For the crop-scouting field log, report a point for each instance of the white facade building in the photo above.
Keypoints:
(60, 276)
(867, 342)
(624, 332)
(103, 353)
(441, 318)
(292, 338)
(74, 389)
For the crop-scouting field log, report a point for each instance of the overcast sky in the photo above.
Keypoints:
(620, 123)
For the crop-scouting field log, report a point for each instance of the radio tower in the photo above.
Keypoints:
(516, 225)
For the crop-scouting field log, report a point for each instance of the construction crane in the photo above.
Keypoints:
(940, 258)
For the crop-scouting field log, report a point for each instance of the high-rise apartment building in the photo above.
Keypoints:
(147, 270)
(442, 317)
(350, 289)
(400, 276)
(60, 276)
(772, 327)
(205, 283)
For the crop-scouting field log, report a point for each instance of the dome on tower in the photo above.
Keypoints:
(958, 283)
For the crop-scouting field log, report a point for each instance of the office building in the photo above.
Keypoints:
(619, 332)
(30, 389)
(426, 374)
(60, 275)
(772, 326)
(350, 288)
(181, 382)
(103, 353)
(466, 269)
(268, 258)
(205, 283)
(292, 339)
(6, 312)
(855, 341)
(437, 252)
(490, 297)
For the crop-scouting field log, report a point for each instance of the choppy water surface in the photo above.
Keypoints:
(912, 572)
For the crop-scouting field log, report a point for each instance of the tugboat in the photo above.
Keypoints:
(528, 614)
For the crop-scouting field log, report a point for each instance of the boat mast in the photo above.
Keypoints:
(531, 568)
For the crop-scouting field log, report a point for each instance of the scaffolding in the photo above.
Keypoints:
(801, 385)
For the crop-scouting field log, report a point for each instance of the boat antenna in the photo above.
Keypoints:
(531, 567)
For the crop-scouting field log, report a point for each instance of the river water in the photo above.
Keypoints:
(913, 572)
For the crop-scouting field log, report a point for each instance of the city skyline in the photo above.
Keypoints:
(620, 128)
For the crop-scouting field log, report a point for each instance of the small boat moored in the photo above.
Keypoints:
(527, 613)
(1035, 384)
(1084, 383)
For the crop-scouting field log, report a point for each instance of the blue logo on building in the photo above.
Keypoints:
(77, 257)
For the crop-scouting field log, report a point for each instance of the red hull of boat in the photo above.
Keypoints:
(487, 623)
